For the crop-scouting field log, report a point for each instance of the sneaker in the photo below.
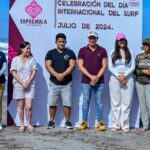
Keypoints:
(83, 125)
(100, 126)
(51, 124)
(68, 125)
(1, 127)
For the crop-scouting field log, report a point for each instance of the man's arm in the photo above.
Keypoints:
(71, 67)
(104, 68)
(50, 69)
(60, 76)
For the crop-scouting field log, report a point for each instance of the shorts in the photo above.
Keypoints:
(65, 91)
(19, 93)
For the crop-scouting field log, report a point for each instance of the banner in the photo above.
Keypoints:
(39, 21)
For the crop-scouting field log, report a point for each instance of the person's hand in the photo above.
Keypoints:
(123, 83)
(94, 79)
(60, 77)
(122, 77)
(146, 71)
(25, 84)
(92, 83)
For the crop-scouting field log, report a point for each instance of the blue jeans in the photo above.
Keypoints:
(87, 91)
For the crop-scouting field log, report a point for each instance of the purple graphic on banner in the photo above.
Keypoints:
(134, 3)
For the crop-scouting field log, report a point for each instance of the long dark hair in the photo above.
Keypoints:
(116, 54)
(23, 45)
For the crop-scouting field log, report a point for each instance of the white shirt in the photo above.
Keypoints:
(23, 69)
(120, 66)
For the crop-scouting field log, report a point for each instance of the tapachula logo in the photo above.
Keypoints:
(33, 9)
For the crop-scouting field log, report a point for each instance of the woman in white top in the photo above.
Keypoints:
(121, 84)
(23, 69)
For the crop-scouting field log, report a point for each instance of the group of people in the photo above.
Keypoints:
(92, 63)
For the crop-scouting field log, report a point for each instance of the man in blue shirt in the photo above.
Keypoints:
(60, 63)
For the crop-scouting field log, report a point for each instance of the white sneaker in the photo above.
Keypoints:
(1, 127)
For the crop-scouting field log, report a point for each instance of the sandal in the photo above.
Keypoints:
(143, 129)
(126, 130)
(22, 129)
(30, 128)
(114, 129)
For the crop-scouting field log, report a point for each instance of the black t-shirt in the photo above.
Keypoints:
(2, 60)
(60, 62)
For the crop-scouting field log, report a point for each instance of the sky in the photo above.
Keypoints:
(4, 15)
(146, 18)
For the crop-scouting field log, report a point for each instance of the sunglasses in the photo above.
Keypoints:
(92, 37)
(122, 41)
(145, 44)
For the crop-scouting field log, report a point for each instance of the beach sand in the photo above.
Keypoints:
(64, 139)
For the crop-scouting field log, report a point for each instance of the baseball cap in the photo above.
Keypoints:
(120, 36)
(146, 41)
(92, 34)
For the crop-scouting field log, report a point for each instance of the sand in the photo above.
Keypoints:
(65, 139)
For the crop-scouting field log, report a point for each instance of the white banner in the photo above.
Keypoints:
(39, 21)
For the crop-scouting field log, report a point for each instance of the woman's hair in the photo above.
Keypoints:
(23, 45)
(116, 54)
